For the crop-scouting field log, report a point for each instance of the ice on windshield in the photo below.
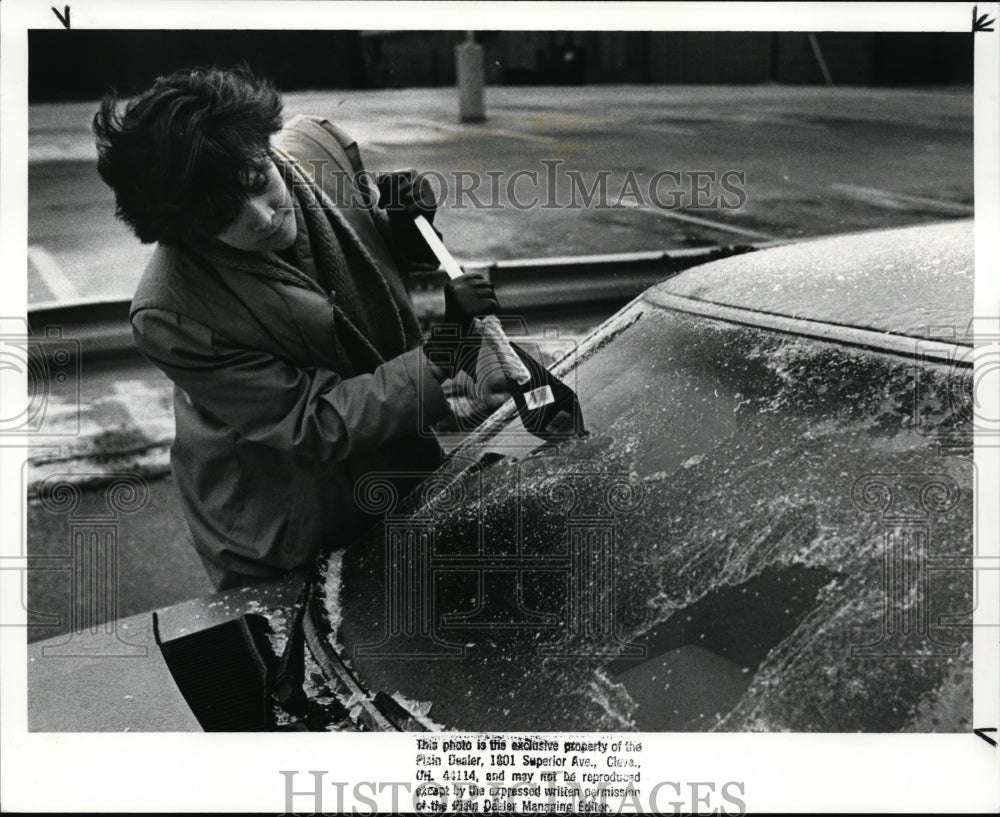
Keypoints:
(728, 514)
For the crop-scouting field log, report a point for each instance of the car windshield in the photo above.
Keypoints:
(666, 386)
(728, 498)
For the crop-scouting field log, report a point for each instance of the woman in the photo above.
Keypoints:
(275, 303)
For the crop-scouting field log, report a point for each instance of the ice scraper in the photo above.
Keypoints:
(548, 408)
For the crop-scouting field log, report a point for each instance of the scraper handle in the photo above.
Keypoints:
(489, 325)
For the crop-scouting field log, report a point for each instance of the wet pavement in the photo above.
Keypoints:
(807, 161)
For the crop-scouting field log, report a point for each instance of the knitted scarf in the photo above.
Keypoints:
(368, 323)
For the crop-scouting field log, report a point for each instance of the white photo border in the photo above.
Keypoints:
(240, 773)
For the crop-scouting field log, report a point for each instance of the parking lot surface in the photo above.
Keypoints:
(678, 166)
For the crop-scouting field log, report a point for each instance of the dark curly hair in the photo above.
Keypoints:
(181, 157)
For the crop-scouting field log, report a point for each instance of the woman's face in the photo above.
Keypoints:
(267, 220)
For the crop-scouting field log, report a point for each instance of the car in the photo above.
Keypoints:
(765, 523)
(766, 527)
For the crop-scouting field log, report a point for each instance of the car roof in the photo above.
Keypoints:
(913, 281)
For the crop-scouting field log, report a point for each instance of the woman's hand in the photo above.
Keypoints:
(480, 397)
(467, 297)
(405, 192)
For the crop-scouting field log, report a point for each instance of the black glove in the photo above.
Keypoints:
(470, 296)
(452, 345)
(400, 197)
(403, 201)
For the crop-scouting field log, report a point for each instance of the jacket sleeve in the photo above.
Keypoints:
(313, 413)
(409, 249)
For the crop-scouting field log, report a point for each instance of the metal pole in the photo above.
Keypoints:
(470, 77)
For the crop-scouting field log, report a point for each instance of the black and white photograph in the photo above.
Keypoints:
(580, 407)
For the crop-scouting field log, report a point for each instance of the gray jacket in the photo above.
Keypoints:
(270, 440)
